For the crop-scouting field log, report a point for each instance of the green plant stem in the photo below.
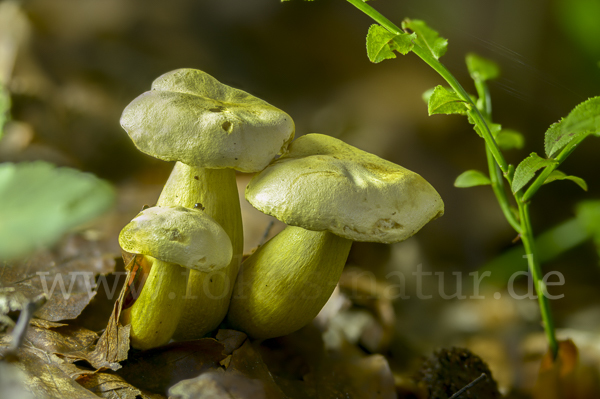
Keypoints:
(541, 179)
(448, 77)
(494, 171)
(536, 274)
(500, 192)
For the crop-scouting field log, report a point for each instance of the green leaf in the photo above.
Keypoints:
(558, 175)
(4, 108)
(381, 43)
(588, 215)
(482, 69)
(446, 101)
(583, 120)
(508, 139)
(39, 202)
(527, 168)
(471, 178)
(427, 38)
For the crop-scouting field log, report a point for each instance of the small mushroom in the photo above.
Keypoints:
(174, 240)
(334, 194)
(211, 130)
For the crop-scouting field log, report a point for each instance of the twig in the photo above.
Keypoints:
(476, 381)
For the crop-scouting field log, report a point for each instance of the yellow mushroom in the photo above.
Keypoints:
(174, 240)
(211, 130)
(334, 194)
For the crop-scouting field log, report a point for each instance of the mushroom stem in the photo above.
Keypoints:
(208, 294)
(286, 282)
(156, 312)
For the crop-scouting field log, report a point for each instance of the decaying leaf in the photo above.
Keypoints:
(43, 376)
(156, 370)
(113, 345)
(112, 386)
(66, 277)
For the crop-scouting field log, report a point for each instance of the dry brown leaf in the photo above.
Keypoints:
(231, 339)
(44, 377)
(112, 386)
(220, 384)
(66, 276)
(156, 370)
(113, 345)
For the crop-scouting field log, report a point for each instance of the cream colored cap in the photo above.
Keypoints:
(187, 237)
(322, 183)
(189, 116)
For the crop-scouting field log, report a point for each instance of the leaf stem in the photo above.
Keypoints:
(541, 179)
(536, 274)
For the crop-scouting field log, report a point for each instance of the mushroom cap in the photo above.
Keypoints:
(190, 117)
(187, 237)
(322, 183)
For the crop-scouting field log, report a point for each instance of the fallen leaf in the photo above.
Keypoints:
(44, 378)
(156, 370)
(231, 339)
(66, 276)
(112, 386)
(220, 384)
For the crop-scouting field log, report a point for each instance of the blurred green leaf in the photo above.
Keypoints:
(471, 178)
(427, 38)
(579, 21)
(527, 168)
(39, 202)
(558, 175)
(4, 108)
(481, 68)
(507, 139)
(381, 43)
(550, 244)
(588, 215)
(445, 101)
(583, 120)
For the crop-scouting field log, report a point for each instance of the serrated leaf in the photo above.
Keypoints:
(471, 178)
(382, 43)
(584, 119)
(508, 139)
(527, 168)
(445, 101)
(39, 202)
(558, 175)
(481, 68)
(427, 38)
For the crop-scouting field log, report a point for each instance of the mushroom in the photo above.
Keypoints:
(173, 240)
(211, 130)
(330, 194)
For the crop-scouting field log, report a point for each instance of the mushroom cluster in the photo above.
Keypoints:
(327, 192)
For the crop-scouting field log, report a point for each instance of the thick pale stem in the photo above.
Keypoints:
(208, 294)
(155, 314)
(286, 282)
